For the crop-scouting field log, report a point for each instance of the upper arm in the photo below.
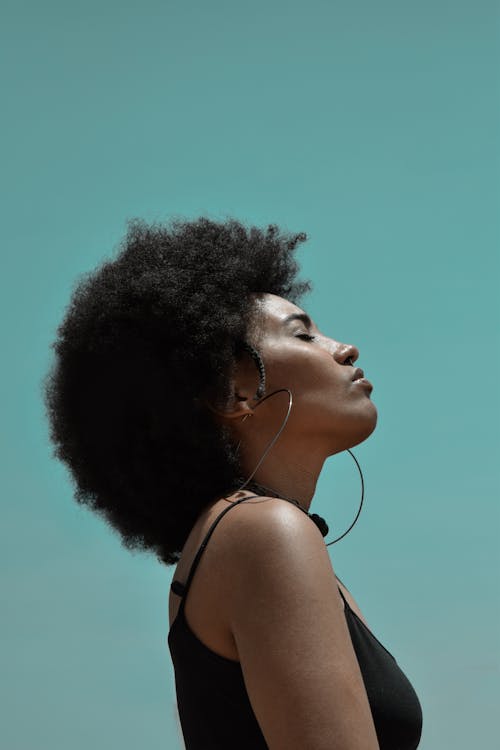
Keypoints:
(300, 669)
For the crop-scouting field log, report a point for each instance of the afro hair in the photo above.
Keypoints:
(144, 338)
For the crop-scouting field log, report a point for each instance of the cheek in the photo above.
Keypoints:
(312, 378)
(324, 399)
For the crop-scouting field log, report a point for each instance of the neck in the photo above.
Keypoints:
(282, 473)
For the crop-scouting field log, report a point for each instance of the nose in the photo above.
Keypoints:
(346, 354)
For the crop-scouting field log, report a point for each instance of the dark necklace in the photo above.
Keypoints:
(320, 522)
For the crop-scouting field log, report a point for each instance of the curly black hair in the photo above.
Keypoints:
(144, 338)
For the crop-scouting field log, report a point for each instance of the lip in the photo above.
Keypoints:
(363, 382)
(358, 378)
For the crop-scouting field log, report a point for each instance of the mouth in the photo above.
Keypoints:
(359, 379)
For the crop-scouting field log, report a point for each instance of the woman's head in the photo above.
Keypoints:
(147, 339)
(331, 410)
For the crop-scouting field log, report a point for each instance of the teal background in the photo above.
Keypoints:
(374, 127)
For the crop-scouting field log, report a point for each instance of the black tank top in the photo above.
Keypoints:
(214, 708)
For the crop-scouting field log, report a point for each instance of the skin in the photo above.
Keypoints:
(329, 413)
(259, 597)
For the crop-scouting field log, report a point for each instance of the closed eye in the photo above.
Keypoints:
(305, 336)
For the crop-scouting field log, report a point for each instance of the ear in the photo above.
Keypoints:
(239, 405)
(244, 383)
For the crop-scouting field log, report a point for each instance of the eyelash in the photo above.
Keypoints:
(305, 336)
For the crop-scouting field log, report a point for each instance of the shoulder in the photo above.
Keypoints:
(263, 511)
(269, 526)
(271, 544)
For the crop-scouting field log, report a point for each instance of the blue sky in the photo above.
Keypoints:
(373, 127)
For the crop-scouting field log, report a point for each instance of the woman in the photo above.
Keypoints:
(195, 404)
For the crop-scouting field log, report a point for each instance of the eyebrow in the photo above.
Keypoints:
(299, 316)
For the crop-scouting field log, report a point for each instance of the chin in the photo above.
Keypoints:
(360, 427)
(366, 425)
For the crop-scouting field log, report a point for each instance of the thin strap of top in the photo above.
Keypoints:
(341, 594)
(182, 589)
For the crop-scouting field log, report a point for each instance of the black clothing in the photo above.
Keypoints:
(214, 708)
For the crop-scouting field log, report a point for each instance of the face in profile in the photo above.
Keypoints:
(332, 404)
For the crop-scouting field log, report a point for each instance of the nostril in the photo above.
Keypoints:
(350, 355)
(346, 354)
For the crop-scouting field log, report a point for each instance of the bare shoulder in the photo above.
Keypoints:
(264, 519)
(271, 544)
(268, 531)
(286, 618)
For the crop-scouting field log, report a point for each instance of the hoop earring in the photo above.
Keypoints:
(360, 505)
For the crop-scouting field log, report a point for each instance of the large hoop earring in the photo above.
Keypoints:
(360, 505)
